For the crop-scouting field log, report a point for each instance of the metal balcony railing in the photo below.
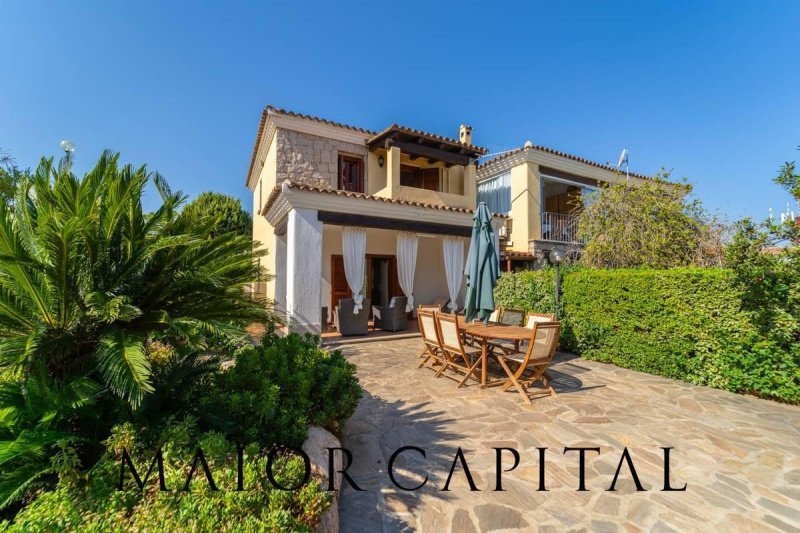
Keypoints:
(560, 227)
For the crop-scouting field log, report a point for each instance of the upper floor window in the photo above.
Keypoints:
(351, 173)
(496, 192)
(421, 178)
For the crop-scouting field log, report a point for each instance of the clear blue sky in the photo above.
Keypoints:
(711, 91)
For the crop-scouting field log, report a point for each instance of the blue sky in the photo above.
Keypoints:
(710, 90)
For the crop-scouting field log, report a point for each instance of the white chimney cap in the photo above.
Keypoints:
(528, 144)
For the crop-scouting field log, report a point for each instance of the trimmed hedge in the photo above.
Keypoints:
(683, 323)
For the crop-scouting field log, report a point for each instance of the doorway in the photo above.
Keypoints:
(380, 284)
(379, 287)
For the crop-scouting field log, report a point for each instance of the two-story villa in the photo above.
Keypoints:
(542, 192)
(328, 197)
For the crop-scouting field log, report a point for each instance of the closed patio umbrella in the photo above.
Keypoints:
(483, 267)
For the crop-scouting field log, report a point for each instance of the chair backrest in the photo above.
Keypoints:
(543, 344)
(427, 326)
(429, 307)
(448, 332)
(533, 318)
(346, 305)
(495, 316)
(511, 317)
(398, 301)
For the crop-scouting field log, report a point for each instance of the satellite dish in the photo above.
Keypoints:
(68, 146)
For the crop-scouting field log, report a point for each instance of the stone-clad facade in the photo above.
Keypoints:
(310, 159)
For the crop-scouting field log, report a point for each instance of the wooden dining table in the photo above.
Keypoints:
(484, 334)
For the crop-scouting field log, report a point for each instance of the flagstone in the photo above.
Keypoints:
(738, 455)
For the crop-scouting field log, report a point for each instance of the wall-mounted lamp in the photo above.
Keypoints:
(380, 161)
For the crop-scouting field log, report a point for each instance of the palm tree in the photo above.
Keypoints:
(88, 278)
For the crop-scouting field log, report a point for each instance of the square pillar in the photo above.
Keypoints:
(393, 170)
(525, 205)
(280, 272)
(471, 185)
(304, 271)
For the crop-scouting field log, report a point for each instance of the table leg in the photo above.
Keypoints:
(484, 362)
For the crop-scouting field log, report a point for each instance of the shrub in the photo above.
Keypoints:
(532, 290)
(87, 279)
(276, 390)
(691, 324)
(95, 504)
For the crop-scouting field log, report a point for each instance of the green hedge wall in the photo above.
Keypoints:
(685, 323)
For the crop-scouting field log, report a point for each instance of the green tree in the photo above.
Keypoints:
(766, 261)
(648, 224)
(88, 280)
(224, 211)
(10, 176)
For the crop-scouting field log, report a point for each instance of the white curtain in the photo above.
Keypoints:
(354, 248)
(407, 264)
(453, 249)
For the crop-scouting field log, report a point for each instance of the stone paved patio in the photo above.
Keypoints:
(739, 455)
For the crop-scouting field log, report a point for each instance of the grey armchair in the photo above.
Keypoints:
(347, 323)
(393, 316)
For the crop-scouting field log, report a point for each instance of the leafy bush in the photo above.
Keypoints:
(688, 323)
(532, 290)
(93, 503)
(87, 280)
(276, 390)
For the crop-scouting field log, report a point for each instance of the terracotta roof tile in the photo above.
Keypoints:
(259, 133)
(357, 195)
(317, 119)
(560, 154)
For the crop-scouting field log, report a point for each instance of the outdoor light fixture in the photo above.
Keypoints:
(69, 149)
(68, 146)
(380, 161)
(556, 259)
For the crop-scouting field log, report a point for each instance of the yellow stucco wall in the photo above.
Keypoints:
(263, 233)
(525, 205)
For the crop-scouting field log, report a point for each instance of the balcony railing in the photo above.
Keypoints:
(560, 227)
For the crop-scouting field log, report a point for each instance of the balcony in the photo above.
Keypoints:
(560, 227)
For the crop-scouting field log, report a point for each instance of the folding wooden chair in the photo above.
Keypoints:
(532, 318)
(456, 356)
(430, 337)
(511, 317)
(535, 360)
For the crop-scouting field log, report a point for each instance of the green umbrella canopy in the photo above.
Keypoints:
(483, 266)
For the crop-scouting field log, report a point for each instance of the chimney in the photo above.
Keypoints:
(465, 134)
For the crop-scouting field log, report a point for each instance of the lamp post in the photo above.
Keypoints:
(69, 149)
(556, 259)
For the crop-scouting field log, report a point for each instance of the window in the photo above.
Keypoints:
(351, 173)
(496, 192)
(421, 178)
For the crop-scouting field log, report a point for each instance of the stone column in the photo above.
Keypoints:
(304, 271)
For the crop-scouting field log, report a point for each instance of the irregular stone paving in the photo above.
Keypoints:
(739, 455)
